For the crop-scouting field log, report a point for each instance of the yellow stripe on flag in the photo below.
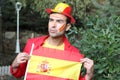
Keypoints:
(54, 67)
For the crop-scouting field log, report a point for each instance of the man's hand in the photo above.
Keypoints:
(89, 66)
(21, 58)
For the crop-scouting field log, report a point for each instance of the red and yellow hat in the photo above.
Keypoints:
(64, 9)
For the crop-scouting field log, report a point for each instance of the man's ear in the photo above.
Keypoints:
(68, 27)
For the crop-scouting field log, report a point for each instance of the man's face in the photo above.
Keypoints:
(57, 25)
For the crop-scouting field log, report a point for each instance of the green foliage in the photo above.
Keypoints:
(99, 38)
(29, 19)
(8, 9)
(79, 6)
(101, 43)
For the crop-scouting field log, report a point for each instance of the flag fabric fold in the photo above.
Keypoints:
(52, 64)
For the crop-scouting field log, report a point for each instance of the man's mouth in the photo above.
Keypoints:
(52, 31)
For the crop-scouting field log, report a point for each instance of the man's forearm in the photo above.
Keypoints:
(14, 66)
(88, 76)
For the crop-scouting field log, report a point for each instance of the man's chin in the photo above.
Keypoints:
(55, 36)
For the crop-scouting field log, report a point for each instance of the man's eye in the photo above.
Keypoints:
(60, 21)
(50, 19)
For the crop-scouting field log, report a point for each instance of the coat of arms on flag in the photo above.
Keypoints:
(44, 66)
(52, 64)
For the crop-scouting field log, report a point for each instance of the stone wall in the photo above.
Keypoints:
(9, 44)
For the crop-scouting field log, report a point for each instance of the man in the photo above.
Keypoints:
(60, 20)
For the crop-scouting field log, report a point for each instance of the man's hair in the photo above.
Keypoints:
(67, 20)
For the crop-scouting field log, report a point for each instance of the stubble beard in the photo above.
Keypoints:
(56, 35)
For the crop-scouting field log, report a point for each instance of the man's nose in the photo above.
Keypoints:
(54, 24)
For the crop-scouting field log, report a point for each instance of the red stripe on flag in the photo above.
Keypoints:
(58, 54)
(32, 76)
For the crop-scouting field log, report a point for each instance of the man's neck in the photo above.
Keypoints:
(55, 41)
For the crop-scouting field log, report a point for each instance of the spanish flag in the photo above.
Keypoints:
(52, 64)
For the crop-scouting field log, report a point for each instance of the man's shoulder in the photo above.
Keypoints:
(69, 46)
(36, 41)
(74, 49)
